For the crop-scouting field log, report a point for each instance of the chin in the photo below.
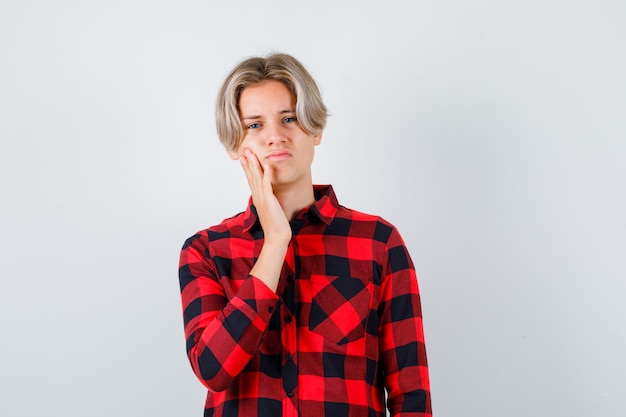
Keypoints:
(281, 183)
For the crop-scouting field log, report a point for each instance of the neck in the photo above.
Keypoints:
(292, 200)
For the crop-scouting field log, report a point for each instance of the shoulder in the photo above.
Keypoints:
(372, 225)
(225, 229)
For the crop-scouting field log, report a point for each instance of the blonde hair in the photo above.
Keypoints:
(310, 109)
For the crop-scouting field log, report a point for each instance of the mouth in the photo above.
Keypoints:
(278, 155)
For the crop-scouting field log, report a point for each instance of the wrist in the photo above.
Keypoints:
(277, 241)
(278, 238)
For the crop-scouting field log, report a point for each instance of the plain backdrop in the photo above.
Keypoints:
(491, 133)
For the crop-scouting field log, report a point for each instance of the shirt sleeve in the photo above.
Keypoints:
(401, 335)
(222, 334)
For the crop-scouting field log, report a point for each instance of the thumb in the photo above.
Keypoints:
(268, 176)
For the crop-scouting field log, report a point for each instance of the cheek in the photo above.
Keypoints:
(248, 143)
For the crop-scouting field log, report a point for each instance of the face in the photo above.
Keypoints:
(272, 132)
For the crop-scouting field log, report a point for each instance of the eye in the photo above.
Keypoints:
(290, 119)
(253, 126)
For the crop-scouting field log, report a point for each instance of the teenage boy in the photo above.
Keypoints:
(297, 306)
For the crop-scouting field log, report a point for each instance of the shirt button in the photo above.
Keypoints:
(270, 309)
(289, 357)
(288, 319)
(289, 394)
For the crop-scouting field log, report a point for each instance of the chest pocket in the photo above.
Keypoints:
(339, 307)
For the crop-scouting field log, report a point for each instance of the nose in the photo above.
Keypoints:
(275, 134)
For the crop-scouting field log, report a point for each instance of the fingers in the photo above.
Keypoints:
(267, 177)
(252, 168)
(249, 162)
(271, 215)
(259, 177)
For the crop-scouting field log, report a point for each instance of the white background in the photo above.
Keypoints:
(492, 133)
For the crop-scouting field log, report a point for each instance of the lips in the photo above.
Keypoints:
(279, 155)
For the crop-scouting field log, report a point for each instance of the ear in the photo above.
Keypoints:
(317, 139)
(233, 154)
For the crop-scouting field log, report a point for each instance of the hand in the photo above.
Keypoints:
(273, 221)
(271, 215)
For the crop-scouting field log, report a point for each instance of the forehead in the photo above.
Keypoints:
(267, 96)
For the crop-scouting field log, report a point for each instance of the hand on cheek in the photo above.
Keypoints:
(273, 220)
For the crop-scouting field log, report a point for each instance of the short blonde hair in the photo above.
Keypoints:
(310, 109)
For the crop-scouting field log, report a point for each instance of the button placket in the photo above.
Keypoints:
(290, 368)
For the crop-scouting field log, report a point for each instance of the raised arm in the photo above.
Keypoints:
(224, 334)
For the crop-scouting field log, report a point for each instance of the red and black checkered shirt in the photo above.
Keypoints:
(345, 325)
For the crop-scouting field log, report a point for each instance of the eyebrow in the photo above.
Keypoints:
(259, 117)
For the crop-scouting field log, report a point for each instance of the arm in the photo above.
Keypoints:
(401, 334)
(222, 335)
(276, 228)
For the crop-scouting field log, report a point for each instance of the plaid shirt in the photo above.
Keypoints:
(345, 325)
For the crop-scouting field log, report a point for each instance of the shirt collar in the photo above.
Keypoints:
(325, 207)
